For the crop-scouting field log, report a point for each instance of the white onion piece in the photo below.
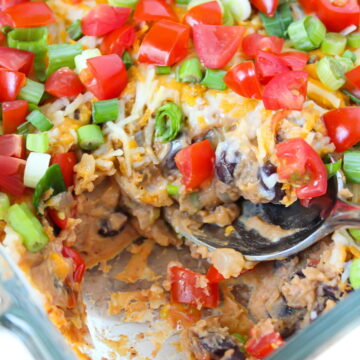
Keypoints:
(35, 169)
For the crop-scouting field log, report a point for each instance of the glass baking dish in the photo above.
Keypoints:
(21, 313)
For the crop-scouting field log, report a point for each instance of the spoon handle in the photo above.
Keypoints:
(344, 214)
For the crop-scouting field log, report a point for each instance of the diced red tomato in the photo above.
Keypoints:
(66, 161)
(185, 288)
(353, 81)
(105, 76)
(64, 82)
(243, 80)
(269, 65)
(254, 43)
(343, 126)
(337, 15)
(266, 6)
(154, 10)
(295, 60)
(196, 164)
(12, 145)
(10, 84)
(13, 114)
(308, 5)
(4, 4)
(103, 19)
(261, 347)
(183, 315)
(30, 14)
(209, 13)
(118, 40)
(11, 175)
(217, 44)
(300, 165)
(213, 275)
(165, 44)
(2, 38)
(286, 91)
(57, 219)
(17, 60)
(79, 264)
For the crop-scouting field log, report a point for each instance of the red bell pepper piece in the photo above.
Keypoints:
(12, 145)
(263, 346)
(79, 264)
(66, 161)
(64, 82)
(17, 60)
(13, 114)
(11, 175)
(154, 10)
(58, 221)
(213, 275)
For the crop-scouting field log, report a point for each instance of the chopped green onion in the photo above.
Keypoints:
(81, 60)
(353, 40)
(307, 33)
(34, 40)
(239, 9)
(168, 121)
(62, 55)
(74, 30)
(183, 2)
(6, 29)
(214, 79)
(352, 97)
(242, 339)
(24, 222)
(355, 233)
(189, 71)
(345, 63)
(333, 44)
(25, 128)
(39, 120)
(32, 91)
(352, 166)
(37, 142)
(124, 3)
(279, 23)
(163, 70)
(4, 205)
(350, 55)
(333, 168)
(355, 274)
(90, 137)
(106, 110)
(228, 18)
(172, 190)
(330, 72)
(127, 60)
(52, 179)
(35, 168)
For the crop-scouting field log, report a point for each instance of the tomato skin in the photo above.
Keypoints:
(10, 84)
(13, 114)
(184, 289)
(12, 145)
(118, 40)
(217, 44)
(213, 275)
(17, 60)
(295, 60)
(300, 164)
(343, 126)
(337, 18)
(243, 80)
(279, 92)
(207, 13)
(66, 161)
(196, 164)
(266, 6)
(30, 14)
(79, 264)
(308, 5)
(5, 4)
(11, 175)
(154, 10)
(269, 65)
(165, 44)
(105, 76)
(103, 19)
(64, 82)
(264, 346)
(253, 43)
(353, 81)
(53, 214)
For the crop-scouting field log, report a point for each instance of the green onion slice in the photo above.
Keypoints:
(355, 233)
(4, 205)
(189, 71)
(333, 168)
(353, 40)
(183, 2)
(239, 9)
(62, 55)
(52, 179)
(127, 60)
(352, 97)
(74, 30)
(350, 55)
(228, 18)
(124, 3)
(352, 166)
(39, 120)
(90, 137)
(172, 190)
(24, 222)
(168, 121)
(32, 91)
(333, 44)
(25, 128)
(214, 79)
(330, 72)
(355, 274)
(106, 110)
(163, 70)
(37, 142)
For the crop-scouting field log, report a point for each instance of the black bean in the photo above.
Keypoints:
(224, 170)
(176, 146)
(106, 230)
(277, 193)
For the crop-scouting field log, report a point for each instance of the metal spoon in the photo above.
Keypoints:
(323, 216)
